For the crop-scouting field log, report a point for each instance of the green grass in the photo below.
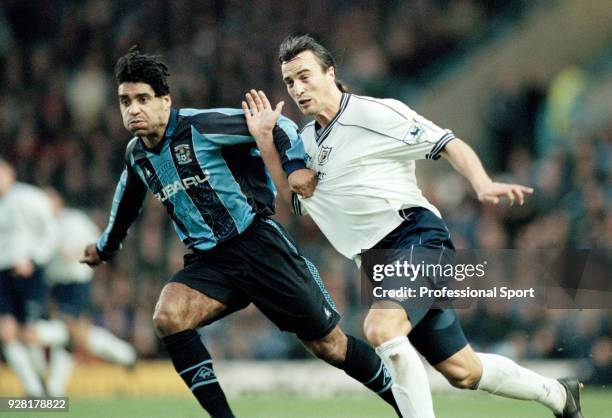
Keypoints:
(596, 404)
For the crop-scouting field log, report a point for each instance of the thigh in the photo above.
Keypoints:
(25, 297)
(211, 279)
(188, 306)
(72, 299)
(418, 249)
(284, 285)
(7, 295)
(439, 335)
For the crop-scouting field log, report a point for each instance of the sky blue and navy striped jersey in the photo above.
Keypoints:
(208, 174)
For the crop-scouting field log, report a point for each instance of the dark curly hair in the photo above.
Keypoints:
(137, 67)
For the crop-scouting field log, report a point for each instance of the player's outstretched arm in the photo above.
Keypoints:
(261, 119)
(463, 158)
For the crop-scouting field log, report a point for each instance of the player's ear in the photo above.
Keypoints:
(331, 71)
(167, 101)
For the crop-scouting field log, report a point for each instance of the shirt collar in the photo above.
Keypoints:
(172, 122)
(324, 132)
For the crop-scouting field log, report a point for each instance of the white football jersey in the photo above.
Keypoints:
(77, 230)
(28, 230)
(365, 158)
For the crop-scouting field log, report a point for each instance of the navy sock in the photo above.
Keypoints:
(193, 363)
(363, 364)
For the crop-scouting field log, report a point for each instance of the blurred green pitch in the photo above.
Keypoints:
(596, 404)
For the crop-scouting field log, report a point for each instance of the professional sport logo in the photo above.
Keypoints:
(324, 155)
(176, 186)
(203, 374)
(416, 132)
(183, 154)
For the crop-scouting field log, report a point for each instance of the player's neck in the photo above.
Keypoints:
(152, 140)
(331, 109)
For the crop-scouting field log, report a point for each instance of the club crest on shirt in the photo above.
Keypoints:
(183, 154)
(324, 155)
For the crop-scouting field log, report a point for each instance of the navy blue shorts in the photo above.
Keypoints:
(72, 299)
(23, 297)
(263, 266)
(424, 238)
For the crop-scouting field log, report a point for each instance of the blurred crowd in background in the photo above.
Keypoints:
(60, 125)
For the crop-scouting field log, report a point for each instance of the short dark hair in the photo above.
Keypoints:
(136, 67)
(296, 44)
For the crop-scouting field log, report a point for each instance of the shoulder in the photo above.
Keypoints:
(74, 216)
(217, 120)
(27, 190)
(129, 149)
(308, 130)
(365, 106)
(30, 195)
(210, 115)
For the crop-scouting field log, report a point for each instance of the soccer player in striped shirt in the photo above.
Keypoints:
(362, 151)
(204, 167)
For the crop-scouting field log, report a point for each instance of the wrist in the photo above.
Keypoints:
(480, 185)
(263, 134)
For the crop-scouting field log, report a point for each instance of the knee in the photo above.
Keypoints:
(179, 308)
(376, 335)
(9, 331)
(168, 320)
(28, 335)
(464, 377)
(382, 325)
(79, 334)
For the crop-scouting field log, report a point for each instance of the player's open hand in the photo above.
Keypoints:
(260, 116)
(91, 256)
(494, 192)
(303, 182)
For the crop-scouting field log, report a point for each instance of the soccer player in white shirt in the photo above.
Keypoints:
(69, 283)
(362, 151)
(27, 242)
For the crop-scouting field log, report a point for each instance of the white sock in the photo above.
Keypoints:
(60, 370)
(104, 344)
(37, 357)
(501, 376)
(410, 384)
(53, 333)
(17, 357)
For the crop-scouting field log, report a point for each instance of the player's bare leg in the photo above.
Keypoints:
(17, 356)
(178, 312)
(463, 369)
(357, 359)
(331, 348)
(501, 376)
(386, 328)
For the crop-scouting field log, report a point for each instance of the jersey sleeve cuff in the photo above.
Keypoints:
(437, 149)
(293, 165)
(104, 256)
(295, 204)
